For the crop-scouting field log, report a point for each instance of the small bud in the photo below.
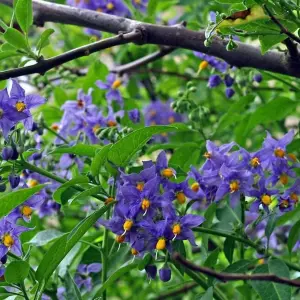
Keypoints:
(190, 84)
(2, 187)
(180, 94)
(165, 274)
(229, 93)
(14, 180)
(258, 78)
(192, 89)
(151, 271)
(9, 153)
(207, 43)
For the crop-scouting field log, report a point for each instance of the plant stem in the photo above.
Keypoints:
(55, 133)
(24, 290)
(104, 257)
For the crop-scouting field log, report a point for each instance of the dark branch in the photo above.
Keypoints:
(178, 291)
(45, 65)
(282, 28)
(142, 61)
(244, 56)
(233, 276)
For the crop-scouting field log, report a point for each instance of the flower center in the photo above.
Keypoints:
(203, 65)
(292, 156)
(266, 200)
(279, 152)
(168, 173)
(80, 103)
(55, 127)
(117, 83)
(99, 10)
(207, 155)
(96, 127)
(8, 240)
(255, 162)
(176, 229)
(140, 186)
(109, 200)
(111, 123)
(134, 251)
(284, 179)
(195, 187)
(32, 183)
(27, 211)
(120, 239)
(145, 204)
(180, 197)
(127, 225)
(284, 204)
(20, 106)
(137, 1)
(234, 186)
(110, 6)
(161, 244)
(152, 113)
(294, 197)
(171, 119)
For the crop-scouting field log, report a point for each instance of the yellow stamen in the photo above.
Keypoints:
(140, 186)
(8, 240)
(152, 113)
(127, 225)
(110, 6)
(284, 204)
(32, 183)
(266, 200)
(111, 123)
(168, 173)
(109, 200)
(134, 251)
(145, 204)
(80, 103)
(117, 83)
(207, 155)
(181, 197)
(164, 134)
(55, 127)
(284, 179)
(161, 244)
(120, 239)
(255, 162)
(99, 10)
(171, 119)
(27, 211)
(294, 197)
(153, 123)
(234, 186)
(195, 187)
(137, 1)
(176, 229)
(261, 261)
(292, 156)
(279, 153)
(203, 65)
(20, 106)
(96, 128)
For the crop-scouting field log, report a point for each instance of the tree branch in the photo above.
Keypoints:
(244, 56)
(45, 65)
(174, 293)
(233, 276)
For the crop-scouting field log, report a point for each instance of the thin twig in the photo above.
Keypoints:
(179, 291)
(45, 65)
(233, 276)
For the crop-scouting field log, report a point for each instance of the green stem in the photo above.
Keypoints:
(24, 290)
(55, 133)
(283, 81)
(104, 257)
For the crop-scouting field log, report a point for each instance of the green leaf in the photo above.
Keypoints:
(17, 271)
(294, 236)
(212, 258)
(208, 294)
(229, 245)
(58, 194)
(240, 266)
(123, 150)
(272, 219)
(79, 149)
(152, 5)
(64, 244)
(44, 237)
(270, 290)
(115, 276)
(9, 53)
(23, 12)
(13, 199)
(15, 38)
(44, 39)
(72, 291)
(99, 160)
(89, 192)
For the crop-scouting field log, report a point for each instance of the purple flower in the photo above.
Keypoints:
(234, 182)
(179, 191)
(22, 103)
(9, 234)
(10, 153)
(14, 180)
(162, 168)
(151, 271)
(111, 86)
(82, 278)
(293, 192)
(258, 78)
(262, 195)
(219, 65)
(113, 7)
(229, 92)
(140, 4)
(214, 81)
(134, 115)
(228, 80)
(67, 160)
(165, 273)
